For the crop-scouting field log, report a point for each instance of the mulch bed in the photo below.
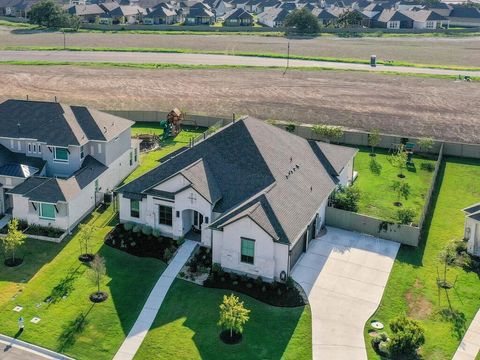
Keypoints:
(86, 258)
(98, 296)
(12, 263)
(138, 244)
(276, 294)
(230, 340)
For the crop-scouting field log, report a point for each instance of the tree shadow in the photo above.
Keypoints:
(375, 167)
(411, 167)
(63, 288)
(73, 329)
(457, 320)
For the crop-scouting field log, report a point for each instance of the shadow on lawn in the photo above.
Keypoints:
(73, 329)
(64, 287)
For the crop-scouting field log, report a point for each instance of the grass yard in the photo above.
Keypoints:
(150, 160)
(72, 324)
(375, 182)
(412, 288)
(185, 328)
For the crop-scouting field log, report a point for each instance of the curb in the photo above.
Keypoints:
(22, 345)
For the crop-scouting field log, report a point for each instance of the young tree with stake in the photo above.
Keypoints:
(98, 271)
(12, 241)
(233, 315)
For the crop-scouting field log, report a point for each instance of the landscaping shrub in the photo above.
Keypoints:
(156, 233)
(22, 225)
(44, 231)
(201, 261)
(146, 230)
(180, 241)
(407, 336)
(427, 167)
(137, 228)
(346, 198)
(406, 216)
(128, 226)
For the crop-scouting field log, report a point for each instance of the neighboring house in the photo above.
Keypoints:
(373, 9)
(87, 13)
(199, 14)
(426, 19)
(392, 19)
(252, 5)
(254, 193)
(238, 17)
(472, 229)
(464, 16)
(326, 17)
(273, 17)
(161, 15)
(266, 5)
(57, 161)
(223, 7)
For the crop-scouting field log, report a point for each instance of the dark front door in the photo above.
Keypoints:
(197, 220)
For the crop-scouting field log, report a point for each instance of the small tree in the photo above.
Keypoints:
(399, 160)
(402, 189)
(302, 21)
(426, 144)
(407, 337)
(233, 314)
(51, 15)
(346, 198)
(85, 233)
(373, 140)
(350, 18)
(332, 133)
(13, 239)
(98, 271)
(405, 216)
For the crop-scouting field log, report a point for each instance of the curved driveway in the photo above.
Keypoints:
(344, 275)
(206, 59)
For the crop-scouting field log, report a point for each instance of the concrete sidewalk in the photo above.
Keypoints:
(144, 321)
(17, 349)
(470, 345)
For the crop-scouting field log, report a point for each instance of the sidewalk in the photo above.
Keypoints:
(144, 321)
(23, 350)
(470, 345)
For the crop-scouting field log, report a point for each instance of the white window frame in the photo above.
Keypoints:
(394, 25)
(29, 148)
(39, 148)
(82, 152)
(99, 148)
(19, 145)
(55, 155)
(40, 215)
(430, 24)
(12, 144)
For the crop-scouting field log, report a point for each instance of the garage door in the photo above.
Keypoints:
(298, 249)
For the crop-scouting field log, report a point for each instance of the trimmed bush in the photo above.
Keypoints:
(128, 226)
(146, 230)
(156, 233)
(180, 241)
(407, 337)
(136, 229)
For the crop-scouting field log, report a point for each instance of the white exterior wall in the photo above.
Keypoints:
(23, 209)
(270, 258)
(346, 175)
(472, 235)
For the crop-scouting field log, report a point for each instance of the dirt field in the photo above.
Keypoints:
(412, 106)
(444, 51)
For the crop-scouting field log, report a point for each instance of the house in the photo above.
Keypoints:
(392, 19)
(162, 14)
(87, 13)
(252, 5)
(373, 9)
(273, 17)
(464, 16)
(266, 5)
(472, 229)
(238, 17)
(326, 17)
(254, 193)
(57, 161)
(200, 14)
(426, 19)
(223, 7)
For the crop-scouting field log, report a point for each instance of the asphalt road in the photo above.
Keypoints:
(204, 59)
(13, 353)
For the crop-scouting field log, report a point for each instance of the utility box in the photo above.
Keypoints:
(373, 60)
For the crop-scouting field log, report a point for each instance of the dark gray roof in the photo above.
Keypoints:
(239, 14)
(472, 209)
(255, 168)
(82, 10)
(58, 124)
(53, 190)
(475, 216)
(19, 165)
(465, 12)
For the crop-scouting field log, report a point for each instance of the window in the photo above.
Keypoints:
(39, 148)
(12, 144)
(60, 154)
(92, 149)
(97, 188)
(47, 211)
(131, 158)
(34, 148)
(82, 152)
(247, 251)
(136, 154)
(394, 24)
(430, 25)
(19, 145)
(99, 148)
(165, 215)
(29, 147)
(134, 208)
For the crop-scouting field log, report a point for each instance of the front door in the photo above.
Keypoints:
(197, 220)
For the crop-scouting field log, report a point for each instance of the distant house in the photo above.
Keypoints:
(464, 16)
(253, 193)
(426, 19)
(472, 229)
(57, 161)
(238, 17)
(223, 7)
(392, 19)
(161, 15)
(123, 14)
(87, 13)
(252, 5)
(200, 14)
(273, 17)
(326, 17)
(373, 9)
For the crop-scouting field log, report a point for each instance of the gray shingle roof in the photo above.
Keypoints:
(17, 164)
(256, 169)
(58, 124)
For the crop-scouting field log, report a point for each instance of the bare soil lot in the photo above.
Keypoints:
(442, 51)
(403, 105)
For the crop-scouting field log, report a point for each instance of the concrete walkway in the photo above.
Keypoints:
(140, 329)
(344, 275)
(470, 345)
(16, 349)
(207, 59)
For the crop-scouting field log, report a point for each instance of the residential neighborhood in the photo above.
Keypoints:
(245, 179)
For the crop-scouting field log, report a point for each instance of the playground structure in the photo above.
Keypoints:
(171, 126)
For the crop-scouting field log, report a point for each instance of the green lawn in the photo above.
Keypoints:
(128, 282)
(375, 178)
(150, 160)
(185, 328)
(412, 288)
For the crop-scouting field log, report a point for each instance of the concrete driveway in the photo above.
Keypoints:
(344, 275)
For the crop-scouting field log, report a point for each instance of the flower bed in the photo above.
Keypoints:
(275, 293)
(46, 231)
(142, 241)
